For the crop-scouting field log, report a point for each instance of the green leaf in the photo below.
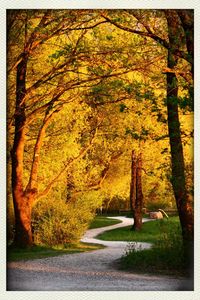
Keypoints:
(122, 107)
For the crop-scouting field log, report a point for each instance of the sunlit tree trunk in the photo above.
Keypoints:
(21, 200)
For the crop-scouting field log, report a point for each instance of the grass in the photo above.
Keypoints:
(35, 252)
(154, 260)
(101, 221)
(150, 232)
(166, 255)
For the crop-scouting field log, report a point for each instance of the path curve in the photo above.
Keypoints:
(88, 271)
(90, 235)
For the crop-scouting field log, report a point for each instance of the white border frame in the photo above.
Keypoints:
(94, 4)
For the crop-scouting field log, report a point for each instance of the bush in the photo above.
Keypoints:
(116, 203)
(59, 223)
(154, 205)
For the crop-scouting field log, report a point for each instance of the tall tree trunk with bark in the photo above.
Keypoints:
(136, 196)
(133, 182)
(187, 20)
(184, 205)
(21, 199)
(139, 196)
(177, 160)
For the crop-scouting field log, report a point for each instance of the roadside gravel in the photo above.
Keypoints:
(88, 271)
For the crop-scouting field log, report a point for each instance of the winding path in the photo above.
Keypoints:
(88, 271)
(90, 235)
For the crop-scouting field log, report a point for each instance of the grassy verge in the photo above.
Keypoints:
(166, 255)
(150, 232)
(154, 260)
(101, 221)
(15, 254)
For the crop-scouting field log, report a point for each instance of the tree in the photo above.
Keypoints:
(36, 28)
(136, 195)
(82, 97)
(41, 94)
(181, 22)
(183, 201)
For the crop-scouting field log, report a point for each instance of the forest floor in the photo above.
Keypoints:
(89, 271)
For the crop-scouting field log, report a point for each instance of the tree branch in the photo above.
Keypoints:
(66, 166)
(33, 183)
(104, 173)
(152, 35)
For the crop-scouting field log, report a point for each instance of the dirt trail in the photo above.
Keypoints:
(89, 271)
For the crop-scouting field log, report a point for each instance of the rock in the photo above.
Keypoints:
(155, 215)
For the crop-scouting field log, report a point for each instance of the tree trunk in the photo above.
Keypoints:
(187, 20)
(136, 197)
(183, 203)
(133, 183)
(23, 228)
(22, 201)
(139, 196)
(177, 158)
(184, 206)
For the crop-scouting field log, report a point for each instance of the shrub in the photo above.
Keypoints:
(155, 204)
(116, 203)
(57, 222)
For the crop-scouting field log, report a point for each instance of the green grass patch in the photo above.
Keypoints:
(101, 221)
(166, 255)
(155, 260)
(35, 252)
(150, 231)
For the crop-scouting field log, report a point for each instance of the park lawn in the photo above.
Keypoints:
(35, 252)
(150, 232)
(101, 221)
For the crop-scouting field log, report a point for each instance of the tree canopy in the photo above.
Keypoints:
(85, 88)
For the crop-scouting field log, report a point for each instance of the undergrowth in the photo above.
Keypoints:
(165, 256)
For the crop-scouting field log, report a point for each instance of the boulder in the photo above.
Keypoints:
(155, 215)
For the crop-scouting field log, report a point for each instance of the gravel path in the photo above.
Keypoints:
(89, 271)
(90, 235)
